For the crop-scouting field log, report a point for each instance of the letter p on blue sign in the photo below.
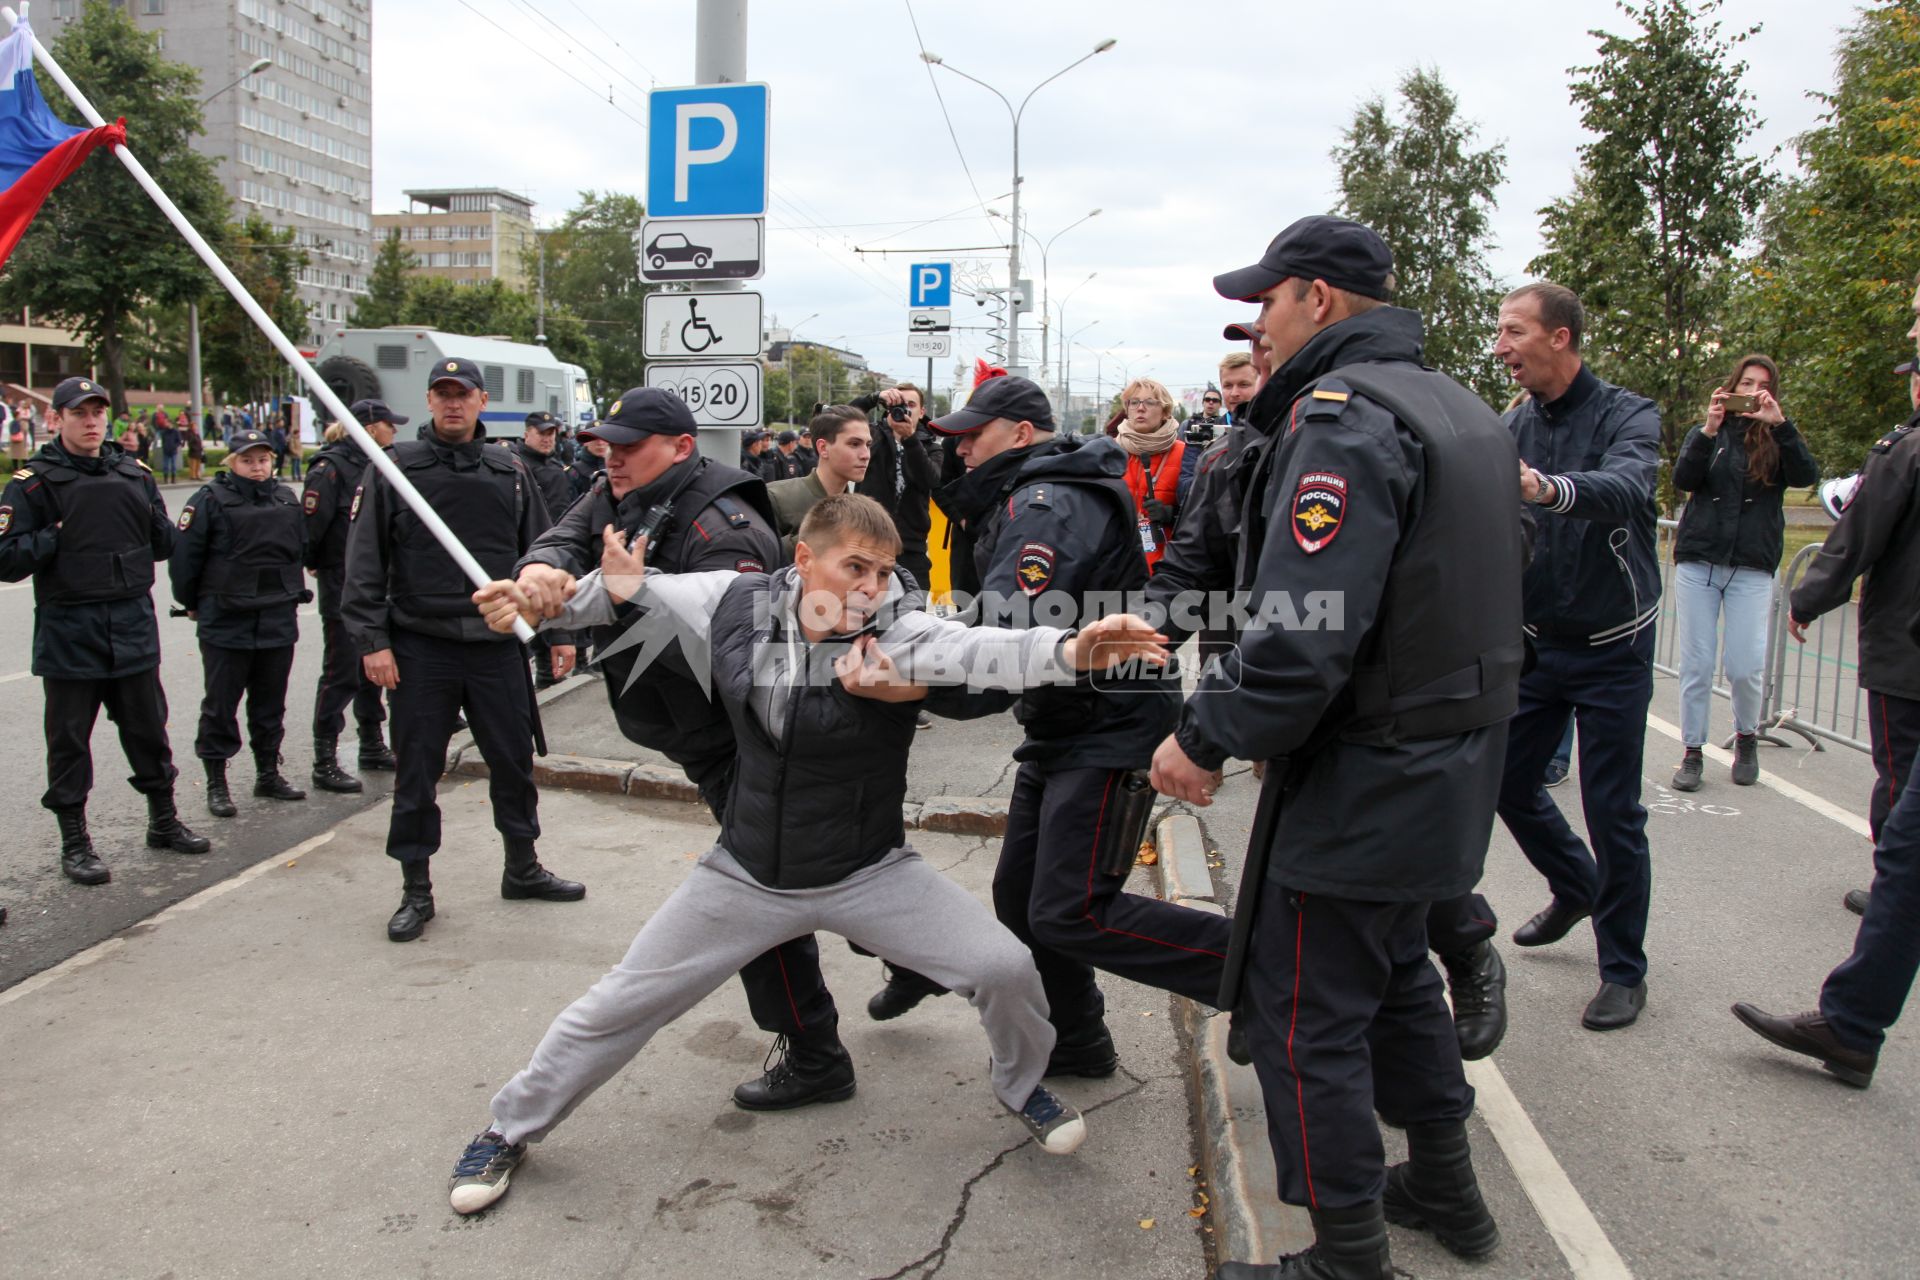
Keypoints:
(707, 151)
(930, 285)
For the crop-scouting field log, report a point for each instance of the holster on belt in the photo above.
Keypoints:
(1126, 824)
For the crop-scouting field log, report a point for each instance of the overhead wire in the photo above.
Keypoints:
(569, 36)
(468, 5)
(944, 115)
(616, 43)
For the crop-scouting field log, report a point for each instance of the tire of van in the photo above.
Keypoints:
(348, 378)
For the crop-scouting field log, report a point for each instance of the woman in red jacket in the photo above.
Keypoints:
(1151, 436)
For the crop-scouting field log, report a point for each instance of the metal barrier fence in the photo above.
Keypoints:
(1811, 689)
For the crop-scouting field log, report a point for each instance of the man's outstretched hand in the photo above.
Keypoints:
(547, 588)
(501, 602)
(1113, 640)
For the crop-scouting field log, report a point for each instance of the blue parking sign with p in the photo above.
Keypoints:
(930, 284)
(707, 151)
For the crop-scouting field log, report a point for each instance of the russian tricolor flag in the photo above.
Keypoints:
(37, 151)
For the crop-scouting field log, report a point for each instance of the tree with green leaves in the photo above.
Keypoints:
(1827, 294)
(1415, 175)
(387, 285)
(493, 307)
(1664, 197)
(100, 251)
(242, 365)
(593, 272)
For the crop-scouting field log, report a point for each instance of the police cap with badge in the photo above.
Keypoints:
(1015, 399)
(1341, 252)
(541, 420)
(73, 391)
(246, 440)
(643, 412)
(460, 370)
(365, 411)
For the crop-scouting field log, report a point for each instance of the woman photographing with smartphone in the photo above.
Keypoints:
(1736, 468)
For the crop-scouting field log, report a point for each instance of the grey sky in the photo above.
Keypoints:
(1200, 135)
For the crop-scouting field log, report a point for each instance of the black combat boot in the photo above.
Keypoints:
(903, 991)
(219, 799)
(1477, 979)
(1348, 1244)
(166, 831)
(1088, 1053)
(373, 751)
(416, 903)
(269, 783)
(327, 773)
(1435, 1190)
(800, 1070)
(77, 859)
(524, 877)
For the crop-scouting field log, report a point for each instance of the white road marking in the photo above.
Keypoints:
(1799, 795)
(101, 950)
(18, 675)
(1565, 1215)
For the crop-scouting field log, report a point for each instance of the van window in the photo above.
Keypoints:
(496, 380)
(523, 386)
(390, 357)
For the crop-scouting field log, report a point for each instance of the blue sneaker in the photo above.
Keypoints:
(481, 1176)
(1057, 1125)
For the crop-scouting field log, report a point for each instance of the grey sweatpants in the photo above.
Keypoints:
(720, 917)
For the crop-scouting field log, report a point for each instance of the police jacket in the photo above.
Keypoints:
(1055, 520)
(549, 476)
(1878, 535)
(720, 520)
(1595, 577)
(236, 562)
(1383, 556)
(822, 776)
(398, 576)
(1730, 518)
(581, 472)
(88, 531)
(327, 500)
(779, 465)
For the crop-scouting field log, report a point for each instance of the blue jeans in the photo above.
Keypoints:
(1863, 997)
(1701, 592)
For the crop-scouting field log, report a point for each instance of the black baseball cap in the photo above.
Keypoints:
(643, 411)
(365, 411)
(464, 372)
(74, 390)
(1016, 399)
(786, 437)
(753, 435)
(1345, 254)
(541, 420)
(1239, 332)
(246, 440)
(1909, 367)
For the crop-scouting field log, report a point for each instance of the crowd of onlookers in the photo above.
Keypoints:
(167, 440)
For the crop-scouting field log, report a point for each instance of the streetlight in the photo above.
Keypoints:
(260, 64)
(1099, 371)
(1066, 358)
(1066, 354)
(1046, 280)
(1013, 261)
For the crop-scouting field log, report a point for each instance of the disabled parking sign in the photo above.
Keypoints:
(707, 151)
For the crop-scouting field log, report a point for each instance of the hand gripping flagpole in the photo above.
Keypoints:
(375, 454)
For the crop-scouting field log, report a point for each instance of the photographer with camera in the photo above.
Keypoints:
(1735, 468)
(903, 472)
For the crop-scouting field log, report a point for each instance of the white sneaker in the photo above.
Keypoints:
(481, 1175)
(1059, 1127)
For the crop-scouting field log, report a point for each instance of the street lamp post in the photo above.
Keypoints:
(1066, 352)
(1014, 300)
(196, 404)
(259, 65)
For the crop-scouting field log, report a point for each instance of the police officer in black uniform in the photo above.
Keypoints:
(86, 522)
(588, 461)
(332, 480)
(1382, 491)
(236, 570)
(536, 452)
(1051, 521)
(411, 614)
(701, 515)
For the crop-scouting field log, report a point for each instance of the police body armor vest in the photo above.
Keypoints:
(482, 507)
(351, 464)
(105, 549)
(255, 561)
(1446, 651)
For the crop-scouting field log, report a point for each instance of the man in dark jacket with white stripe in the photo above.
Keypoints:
(1589, 453)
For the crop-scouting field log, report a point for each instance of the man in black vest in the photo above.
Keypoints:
(332, 481)
(86, 523)
(821, 697)
(236, 571)
(536, 452)
(1384, 542)
(1052, 524)
(410, 611)
(715, 517)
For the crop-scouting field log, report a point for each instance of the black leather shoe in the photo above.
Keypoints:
(1477, 979)
(219, 799)
(799, 1074)
(1856, 901)
(166, 831)
(410, 921)
(271, 784)
(1091, 1057)
(1809, 1033)
(1550, 925)
(903, 991)
(1614, 1006)
(78, 862)
(1436, 1191)
(524, 877)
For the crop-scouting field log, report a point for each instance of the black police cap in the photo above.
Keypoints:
(464, 372)
(541, 420)
(1016, 399)
(74, 390)
(365, 411)
(641, 412)
(1343, 253)
(245, 440)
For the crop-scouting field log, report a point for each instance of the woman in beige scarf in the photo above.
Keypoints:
(1151, 436)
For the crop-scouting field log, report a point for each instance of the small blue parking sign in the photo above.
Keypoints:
(930, 284)
(707, 151)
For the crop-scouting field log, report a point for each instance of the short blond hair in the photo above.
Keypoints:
(1155, 389)
(834, 519)
(1235, 360)
(335, 433)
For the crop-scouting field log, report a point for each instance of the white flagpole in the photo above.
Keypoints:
(375, 454)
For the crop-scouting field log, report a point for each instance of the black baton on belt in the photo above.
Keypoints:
(1253, 878)
(533, 703)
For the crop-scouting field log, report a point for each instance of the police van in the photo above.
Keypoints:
(391, 364)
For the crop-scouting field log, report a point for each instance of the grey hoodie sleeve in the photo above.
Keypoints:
(939, 651)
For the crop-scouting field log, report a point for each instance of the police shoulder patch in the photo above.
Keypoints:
(747, 564)
(1319, 506)
(1033, 569)
(186, 518)
(310, 501)
(353, 512)
(6, 519)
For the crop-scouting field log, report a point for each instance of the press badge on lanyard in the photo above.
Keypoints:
(1146, 534)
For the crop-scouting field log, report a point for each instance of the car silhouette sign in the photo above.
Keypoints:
(674, 247)
(700, 249)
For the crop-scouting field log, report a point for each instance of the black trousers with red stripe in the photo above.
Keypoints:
(1346, 1018)
(1075, 919)
(1894, 724)
(1460, 924)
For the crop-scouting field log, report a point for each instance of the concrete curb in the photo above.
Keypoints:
(1249, 1222)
